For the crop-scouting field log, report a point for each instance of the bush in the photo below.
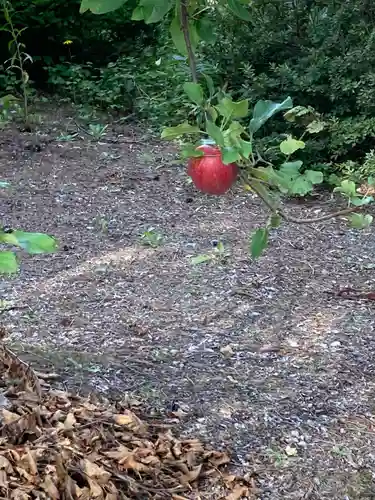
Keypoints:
(320, 53)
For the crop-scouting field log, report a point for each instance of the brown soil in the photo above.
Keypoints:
(256, 357)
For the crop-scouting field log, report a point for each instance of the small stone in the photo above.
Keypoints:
(227, 351)
(336, 343)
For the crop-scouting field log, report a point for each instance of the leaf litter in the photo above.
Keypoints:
(54, 445)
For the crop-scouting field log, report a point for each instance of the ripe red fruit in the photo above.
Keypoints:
(209, 173)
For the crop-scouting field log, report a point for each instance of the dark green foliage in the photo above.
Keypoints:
(97, 39)
(321, 53)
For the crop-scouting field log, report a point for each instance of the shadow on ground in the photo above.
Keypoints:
(258, 357)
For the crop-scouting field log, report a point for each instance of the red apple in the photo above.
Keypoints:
(209, 173)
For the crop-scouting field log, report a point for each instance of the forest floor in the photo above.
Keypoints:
(262, 358)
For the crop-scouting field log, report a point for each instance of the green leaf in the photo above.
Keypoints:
(291, 168)
(8, 263)
(138, 14)
(259, 242)
(347, 188)
(200, 259)
(178, 36)
(100, 6)
(301, 186)
(210, 84)
(181, 129)
(190, 151)
(290, 145)
(230, 155)
(206, 30)
(194, 92)
(315, 127)
(35, 243)
(212, 112)
(274, 221)
(239, 10)
(246, 148)
(229, 109)
(314, 176)
(296, 112)
(155, 10)
(360, 221)
(215, 132)
(264, 110)
(359, 202)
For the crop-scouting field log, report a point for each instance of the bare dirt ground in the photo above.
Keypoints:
(256, 357)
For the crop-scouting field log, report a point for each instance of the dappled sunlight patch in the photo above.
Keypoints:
(119, 258)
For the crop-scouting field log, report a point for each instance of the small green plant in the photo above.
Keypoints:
(102, 224)
(9, 109)
(152, 238)
(19, 58)
(97, 131)
(32, 243)
(219, 254)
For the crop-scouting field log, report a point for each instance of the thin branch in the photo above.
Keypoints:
(186, 32)
(311, 220)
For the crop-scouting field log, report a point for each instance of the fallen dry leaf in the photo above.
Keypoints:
(56, 446)
(93, 471)
(70, 422)
(50, 488)
(238, 492)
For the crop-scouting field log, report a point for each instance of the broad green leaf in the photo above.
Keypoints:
(8, 238)
(360, 221)
(358, 201)
(212, 112)
(230, 155)
(178, 36)
(264, 110)
(246, 148)
(296, 112)
(181, 129)
(8, 263)
(200, 259)
(194, 92)
(100, 6)
(315, 127)
(313, 176)
(229, 109)
(215, 132)
(35, 243)
(155, 10)
(301, 186)
(191, 151)
(290, 145)
(210, 84)
(259, 242)
(235, 130)
(206, 30)
(334, 180)
(347, 188)
(138, 14)
(239, 10)
(291, 168)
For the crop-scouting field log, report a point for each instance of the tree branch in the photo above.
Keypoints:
(311, 220)
(186, 32)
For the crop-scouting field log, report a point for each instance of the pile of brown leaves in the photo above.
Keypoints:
(56, 446)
